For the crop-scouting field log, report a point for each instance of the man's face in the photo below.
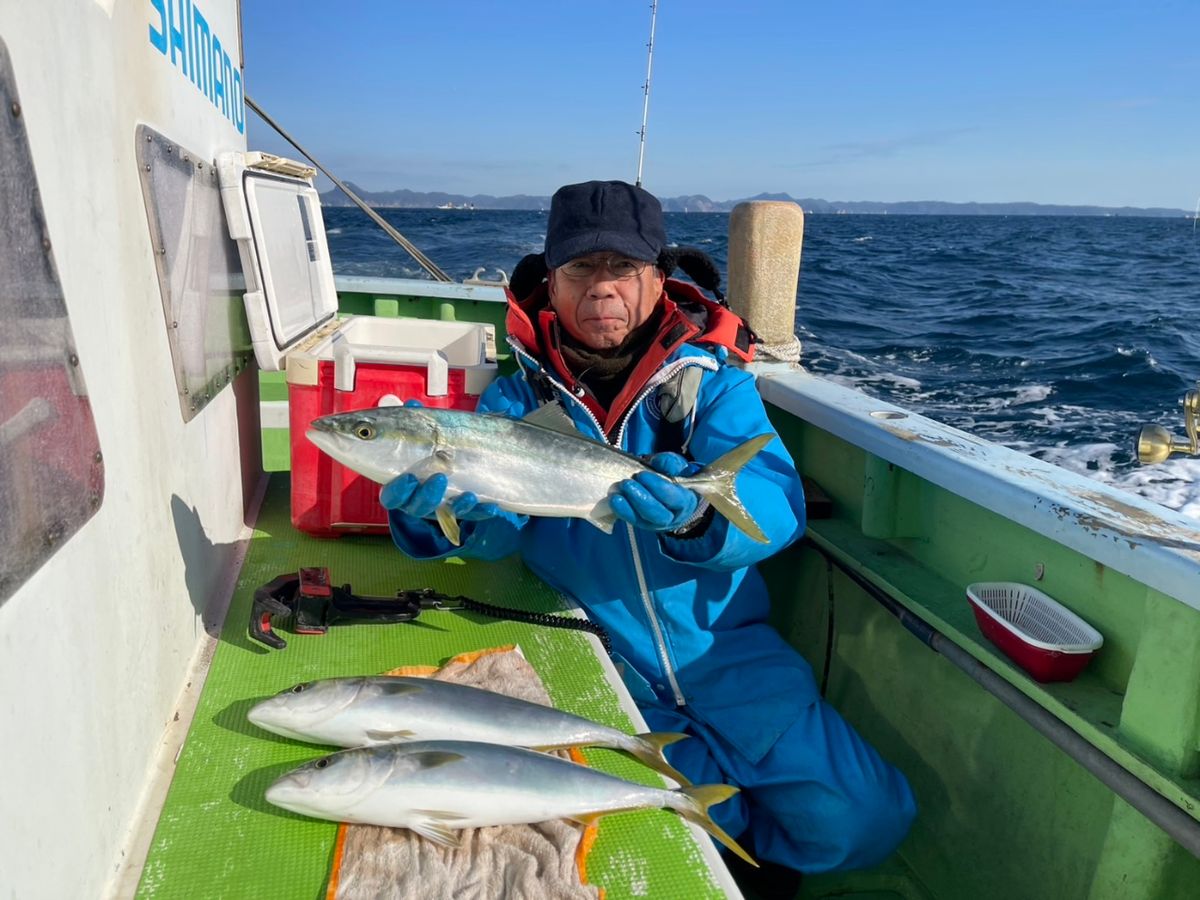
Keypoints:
(599, 308)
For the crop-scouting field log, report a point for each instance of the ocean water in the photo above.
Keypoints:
(1056, 336)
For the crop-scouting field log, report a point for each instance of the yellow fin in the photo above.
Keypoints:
(648, 749)
(449, 524)
(592, 818)
(436, 826)
(716, 483)
(694, 808)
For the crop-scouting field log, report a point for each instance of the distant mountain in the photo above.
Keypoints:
(404, 199)
(939, 208)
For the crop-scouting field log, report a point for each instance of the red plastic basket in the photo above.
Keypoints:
(1040, 635)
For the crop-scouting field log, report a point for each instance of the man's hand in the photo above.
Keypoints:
(420, 500)
(467, 508)
(412, 497)
(652, 502)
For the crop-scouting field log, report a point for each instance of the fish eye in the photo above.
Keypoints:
(322, 763)
(364, 430)
(299, 688)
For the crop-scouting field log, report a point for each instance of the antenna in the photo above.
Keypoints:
(646, 91)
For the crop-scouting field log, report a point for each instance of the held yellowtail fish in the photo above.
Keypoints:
(385, 709)
(521, 465)
(436, 788)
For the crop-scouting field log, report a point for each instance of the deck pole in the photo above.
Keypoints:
(765, 242)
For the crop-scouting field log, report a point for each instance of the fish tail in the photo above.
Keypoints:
(716, 483)
(694, 804)
(647, 748)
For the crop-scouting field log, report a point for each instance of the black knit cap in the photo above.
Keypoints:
(603, 215)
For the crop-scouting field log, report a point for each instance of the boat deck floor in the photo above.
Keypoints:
(216, 829)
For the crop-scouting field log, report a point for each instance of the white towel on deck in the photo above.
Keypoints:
(537, 862)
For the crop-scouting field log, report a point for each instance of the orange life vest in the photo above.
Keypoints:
(688, 317)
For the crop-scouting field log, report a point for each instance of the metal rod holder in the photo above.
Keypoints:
(1155, 443)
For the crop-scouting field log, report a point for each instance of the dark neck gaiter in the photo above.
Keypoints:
(604, 372)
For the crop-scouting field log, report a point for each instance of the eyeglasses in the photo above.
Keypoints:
(619, 267)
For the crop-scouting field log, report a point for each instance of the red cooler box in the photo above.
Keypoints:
(363, 362)
(333, 365)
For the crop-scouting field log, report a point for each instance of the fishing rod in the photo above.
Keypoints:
(646, 91)
(426, 263)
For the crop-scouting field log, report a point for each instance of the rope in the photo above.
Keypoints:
(788, 351)
(426, 263)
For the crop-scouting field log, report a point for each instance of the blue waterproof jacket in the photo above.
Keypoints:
(687, 616)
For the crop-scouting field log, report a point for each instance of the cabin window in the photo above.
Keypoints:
(51, 469)
(199, 271)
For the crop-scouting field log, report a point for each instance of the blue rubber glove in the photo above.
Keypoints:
(412, 497)
(673, 464)
(652, 502)
(467, 508)
(420, 500)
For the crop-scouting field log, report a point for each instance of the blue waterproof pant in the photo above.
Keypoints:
(821, 799)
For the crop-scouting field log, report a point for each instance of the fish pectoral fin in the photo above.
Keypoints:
(437, 826)
(439, 461)
(396, 688)
(431, 759)
(553, 416)
(389, 737)
(449, 525)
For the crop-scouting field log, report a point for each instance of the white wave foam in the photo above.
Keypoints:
(1053, 416)
(900, 381)
(1137, 351)
(1174, 484)
(969, 403)
(1032, 393)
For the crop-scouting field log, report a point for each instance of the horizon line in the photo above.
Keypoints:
(679, 198)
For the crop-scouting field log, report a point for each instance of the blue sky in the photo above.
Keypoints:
(1056, 101)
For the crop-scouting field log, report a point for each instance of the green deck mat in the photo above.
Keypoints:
(218, 837)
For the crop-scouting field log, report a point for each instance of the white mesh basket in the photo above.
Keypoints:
(1035, 618)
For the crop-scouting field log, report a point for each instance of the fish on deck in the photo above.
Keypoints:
(436, 788)
(367, 711)
(537, 466)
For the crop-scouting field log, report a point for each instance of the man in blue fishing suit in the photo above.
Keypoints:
(639, 361)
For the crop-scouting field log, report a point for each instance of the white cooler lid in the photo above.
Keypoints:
(274, 214)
